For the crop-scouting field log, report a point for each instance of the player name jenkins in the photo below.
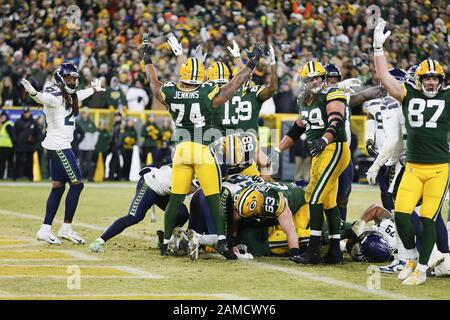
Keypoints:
(186, 95)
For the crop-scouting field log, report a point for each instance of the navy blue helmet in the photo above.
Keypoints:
(67, 69)
(397, 73)
(410, 76)
(332, 71)
(374, 247)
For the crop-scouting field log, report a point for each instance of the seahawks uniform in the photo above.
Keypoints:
(192, 111)
(327, 167)
(427, 122)
(374, 107)
(59, 136)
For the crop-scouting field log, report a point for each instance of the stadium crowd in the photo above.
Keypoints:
(37, 36)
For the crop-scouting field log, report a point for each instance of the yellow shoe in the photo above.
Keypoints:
(407, 269)
(415, 278)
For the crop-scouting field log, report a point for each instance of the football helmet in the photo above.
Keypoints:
(218, 72)
(310, 72)
(410, 76)
(230, 148)
(332, 71)
(429, 68)
(397, 73)
(249, 202)
(192, 71)
(65, 70)
(374, 247)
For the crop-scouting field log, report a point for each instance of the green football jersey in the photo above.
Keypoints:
(427, 122)
(226, 116)
(192, 111)
(315, 114)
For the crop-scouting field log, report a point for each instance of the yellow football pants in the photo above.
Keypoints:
(251, 171)
(194, 158)
(429, 181)
(325, 172)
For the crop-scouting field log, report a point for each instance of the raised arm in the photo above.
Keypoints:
(228, 90)
(236, 53)
(269, 91)
(393, 86)
(359, 98)
(150, 70)
(96, 86)
(43, 98)
(176, 48)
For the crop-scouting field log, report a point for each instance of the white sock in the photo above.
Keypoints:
(411, 254)
(208, 239)
(166, 241)
(422, 267)
(46, 228)
(66, 226)
(100, 240)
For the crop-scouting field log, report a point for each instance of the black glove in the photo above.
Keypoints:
(146, 50)
(316, 147)
(370, 146)
(255, 54)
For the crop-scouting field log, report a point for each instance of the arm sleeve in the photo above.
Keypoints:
(84, 94)
(45, 98)
(392, 129)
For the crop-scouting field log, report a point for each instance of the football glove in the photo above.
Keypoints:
(372, 173)
(257, 52)
(28, 87)
(175, 45)
(146, 50)
(272, 60)
(316, 147)
(370, 146)
(379, 37)
(274, 160)
(199, 54)
(235, 52)
(349, 84)
(96, 84)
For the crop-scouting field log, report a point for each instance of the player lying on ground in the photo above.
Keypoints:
(61, 107)
(153, 188)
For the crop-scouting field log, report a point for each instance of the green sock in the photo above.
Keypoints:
(334, 225)
(171, 214)
(427, 239)
(216, 213)
(405, 230)
(315, 223)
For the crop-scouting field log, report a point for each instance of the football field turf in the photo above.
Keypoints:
(131, 267)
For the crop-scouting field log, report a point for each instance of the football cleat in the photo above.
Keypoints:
(69, 234)
(407, 269)
(178, 244)
(307, 257)
(48, 237)
(395, 267)
(333, 257)
(160, 235)
(97, 246)
(222, 248)
(163, 250)
(415, 278)
(193, 244)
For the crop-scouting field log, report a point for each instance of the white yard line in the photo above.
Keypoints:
(332, 281)
(84, 225)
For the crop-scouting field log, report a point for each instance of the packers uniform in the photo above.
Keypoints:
(427, 122)
(327, 167)
(192, 111)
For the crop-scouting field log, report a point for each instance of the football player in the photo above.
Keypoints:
(191, 103)
(60, 108)
(322, 116)
(153, 188)
(427, 120)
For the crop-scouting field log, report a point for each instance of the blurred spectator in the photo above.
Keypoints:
(115, 98)
(128, 140)
(103, 142)
(97, 100)
(26, 132)
(151, 134)
(164, 155)
(285, 101)
(137, 97)
(8, 93)
(6, 146)
(42, 154)
(302, 159)
(78, 136)
(115, 167)
(87, 145)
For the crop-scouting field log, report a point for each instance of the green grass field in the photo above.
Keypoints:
(131, 267)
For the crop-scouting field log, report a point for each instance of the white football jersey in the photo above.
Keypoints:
(374, 108)
(347, 119)
(60, 122)
(159, 180)
(387, 230)
(237, 182)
